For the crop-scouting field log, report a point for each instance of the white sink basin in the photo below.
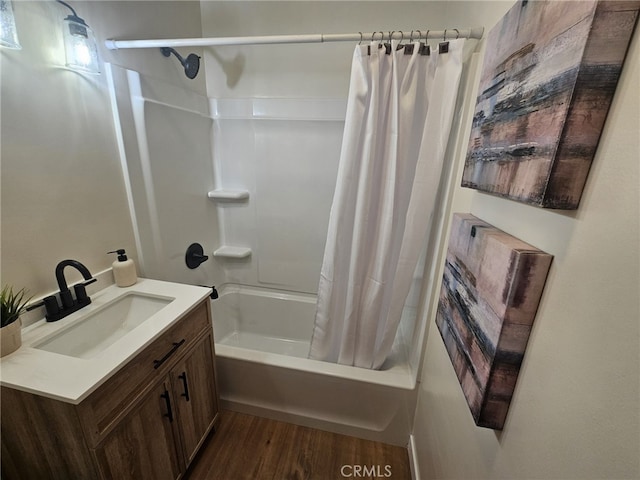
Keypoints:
(90, 335)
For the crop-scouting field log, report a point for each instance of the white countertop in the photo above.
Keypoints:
(72, 379)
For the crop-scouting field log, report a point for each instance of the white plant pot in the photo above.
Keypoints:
(10, 338)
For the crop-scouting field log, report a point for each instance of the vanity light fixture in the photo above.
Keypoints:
(79, 44)
(8, 31)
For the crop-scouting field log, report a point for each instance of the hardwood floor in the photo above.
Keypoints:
(255, 448)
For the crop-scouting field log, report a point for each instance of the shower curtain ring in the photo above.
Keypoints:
(457, 33)
(360, 42)
(400, 45)
(445, 35)
(426, 37)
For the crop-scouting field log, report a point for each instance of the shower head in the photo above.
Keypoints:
(191, 64)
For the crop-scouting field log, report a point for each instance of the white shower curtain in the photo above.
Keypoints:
(399, 115)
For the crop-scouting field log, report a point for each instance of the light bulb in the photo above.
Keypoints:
(80, 46)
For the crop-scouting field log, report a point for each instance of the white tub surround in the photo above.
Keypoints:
(262, 343)
(71, 379)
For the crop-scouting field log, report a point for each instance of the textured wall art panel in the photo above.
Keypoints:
(491, 288)
(549, 75)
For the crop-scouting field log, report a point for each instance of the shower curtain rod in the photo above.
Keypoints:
(448, 34)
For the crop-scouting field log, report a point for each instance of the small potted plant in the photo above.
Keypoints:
(13, 304)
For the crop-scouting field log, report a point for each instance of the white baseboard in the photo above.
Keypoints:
(413, 464)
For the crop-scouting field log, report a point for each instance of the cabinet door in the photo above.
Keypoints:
(194, 389)
(143, 446)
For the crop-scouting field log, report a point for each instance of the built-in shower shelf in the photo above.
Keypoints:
(228, 195)
(232, 252)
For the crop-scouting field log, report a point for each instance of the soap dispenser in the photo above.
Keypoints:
(124, 270)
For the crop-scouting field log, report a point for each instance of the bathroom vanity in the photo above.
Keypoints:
(138, 404)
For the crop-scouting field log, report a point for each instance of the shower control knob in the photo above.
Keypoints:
(195, 256)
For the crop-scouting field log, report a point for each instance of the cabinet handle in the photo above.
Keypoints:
(176, 345)
(183, 377)
(167, 400)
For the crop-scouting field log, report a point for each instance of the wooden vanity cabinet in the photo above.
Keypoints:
(147, 421)
(120, 456)
(171, 421)
(196, 404)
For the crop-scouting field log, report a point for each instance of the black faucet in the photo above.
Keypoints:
(55, 312)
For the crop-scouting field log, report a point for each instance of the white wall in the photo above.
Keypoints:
(63, 194)
(574, 413)
(303, 70)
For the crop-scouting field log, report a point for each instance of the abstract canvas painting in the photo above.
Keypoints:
(491, 288)
(549, 75)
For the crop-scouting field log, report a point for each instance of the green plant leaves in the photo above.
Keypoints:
(12, 304)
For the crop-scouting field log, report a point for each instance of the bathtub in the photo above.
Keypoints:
(262, 340)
